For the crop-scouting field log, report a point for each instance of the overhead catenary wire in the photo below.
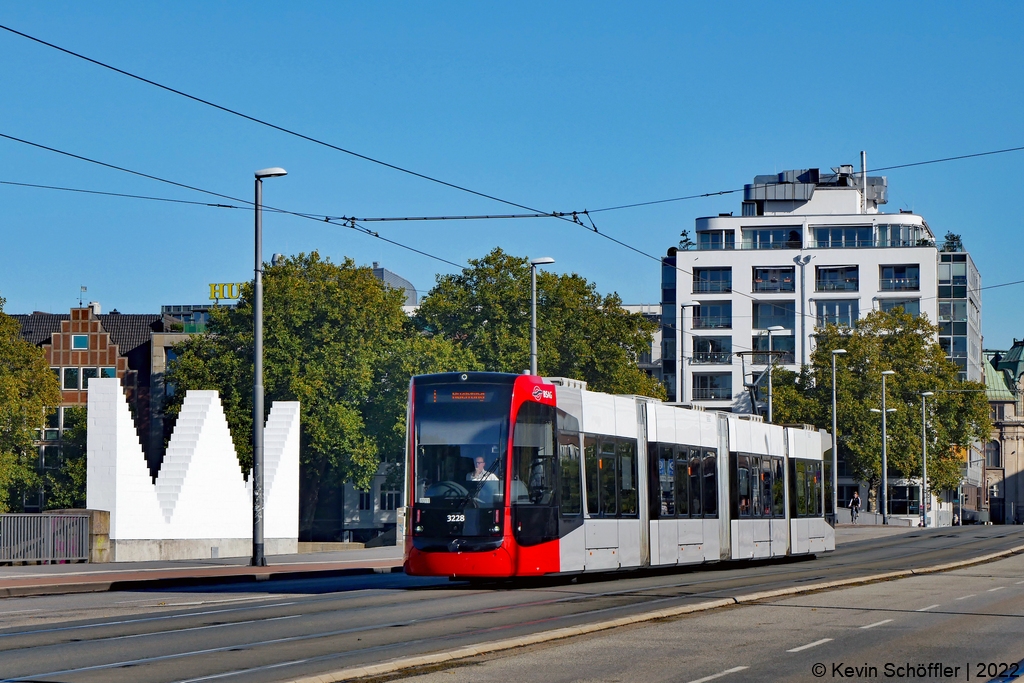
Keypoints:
(321, 219)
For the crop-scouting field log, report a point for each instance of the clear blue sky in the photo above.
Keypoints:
(558, 106)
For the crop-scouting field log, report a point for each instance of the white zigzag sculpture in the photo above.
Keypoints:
(200, 493)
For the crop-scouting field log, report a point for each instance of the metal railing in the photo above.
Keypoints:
(899, 284)
(711, 394)
(43, 537)
(711, 357)
(836, 285)
(712, 286)
(774, 286)
(712, 322)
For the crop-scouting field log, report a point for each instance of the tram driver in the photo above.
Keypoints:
(480, 471)
(487, 488)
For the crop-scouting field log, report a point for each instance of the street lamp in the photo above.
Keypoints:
(544, 260)
(680, 339)
(924, 459)
(773, 328)
(835, 437)
(258, 557)
(885, 453)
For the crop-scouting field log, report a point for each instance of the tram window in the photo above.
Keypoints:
(667, 477)
(591, 464)
(755, 486)
(743, 484)
(766, 486)
(569, 472)
(694, 472)
(710, 471)
(606, 470)
(682, 481)
(800, 486)
(627, 478)
(534, 455)
(814, 489)
(778, 489)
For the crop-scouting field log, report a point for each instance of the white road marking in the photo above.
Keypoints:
(925, 609)
(720, 674)
(997, 588)
(877, 623)
(810, 645)
(1018, 583)
(967, 596)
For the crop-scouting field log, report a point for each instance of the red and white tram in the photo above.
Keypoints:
(517, 475)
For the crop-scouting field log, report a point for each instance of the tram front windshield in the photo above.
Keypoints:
(461, 433)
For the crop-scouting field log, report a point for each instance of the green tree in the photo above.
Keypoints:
(958, 413)
(66, 485)
(29, 391)
(580, 333)
(334, 337)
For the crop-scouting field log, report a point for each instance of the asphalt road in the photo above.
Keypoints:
(300, 628)
(963, 625)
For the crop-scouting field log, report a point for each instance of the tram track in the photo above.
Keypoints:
(471, 615)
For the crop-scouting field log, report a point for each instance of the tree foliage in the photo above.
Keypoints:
(957, 413)
(29, 391)
(580, 333)
(335, 339)
(65, 484)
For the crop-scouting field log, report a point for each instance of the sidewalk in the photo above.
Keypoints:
(51, 579)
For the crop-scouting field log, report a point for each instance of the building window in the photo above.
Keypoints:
(993, 456)
(70, 378)
(712, 350)
(773, 238)
(711, 315)
(774, 313)
(389, 500)
(904, 500)
(911, 306)
(838, 312)
(49, 457)
(900, 278)
(107, 373)
(87, 374)
(850, 237)
(774, 279)
(902, 236)
(712, 280)
(79, 342)
(716, 240)
(716, 387)
(839, 279)
(784, 346)
(365, 500)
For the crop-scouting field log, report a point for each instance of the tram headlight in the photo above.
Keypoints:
(418, 529)
(495, 529)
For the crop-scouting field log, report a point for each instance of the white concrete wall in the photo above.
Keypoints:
(201, 492)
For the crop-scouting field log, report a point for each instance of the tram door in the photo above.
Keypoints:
(602, 529)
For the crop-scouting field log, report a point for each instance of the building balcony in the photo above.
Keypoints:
(781, 358)
(712, 358)
(712, 322)
(836, 285)
(712, 286)
(899, 284)
(786, 285)
(711, 394)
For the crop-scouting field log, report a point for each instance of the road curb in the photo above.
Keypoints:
(400, 664)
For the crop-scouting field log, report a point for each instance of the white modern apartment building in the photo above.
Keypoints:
(808, 248)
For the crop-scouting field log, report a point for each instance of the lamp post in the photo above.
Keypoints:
(771, 364)
(258, 557)
(835, 437)
(924, 458)
(885, 454)
(544, 260)
(680, 340)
